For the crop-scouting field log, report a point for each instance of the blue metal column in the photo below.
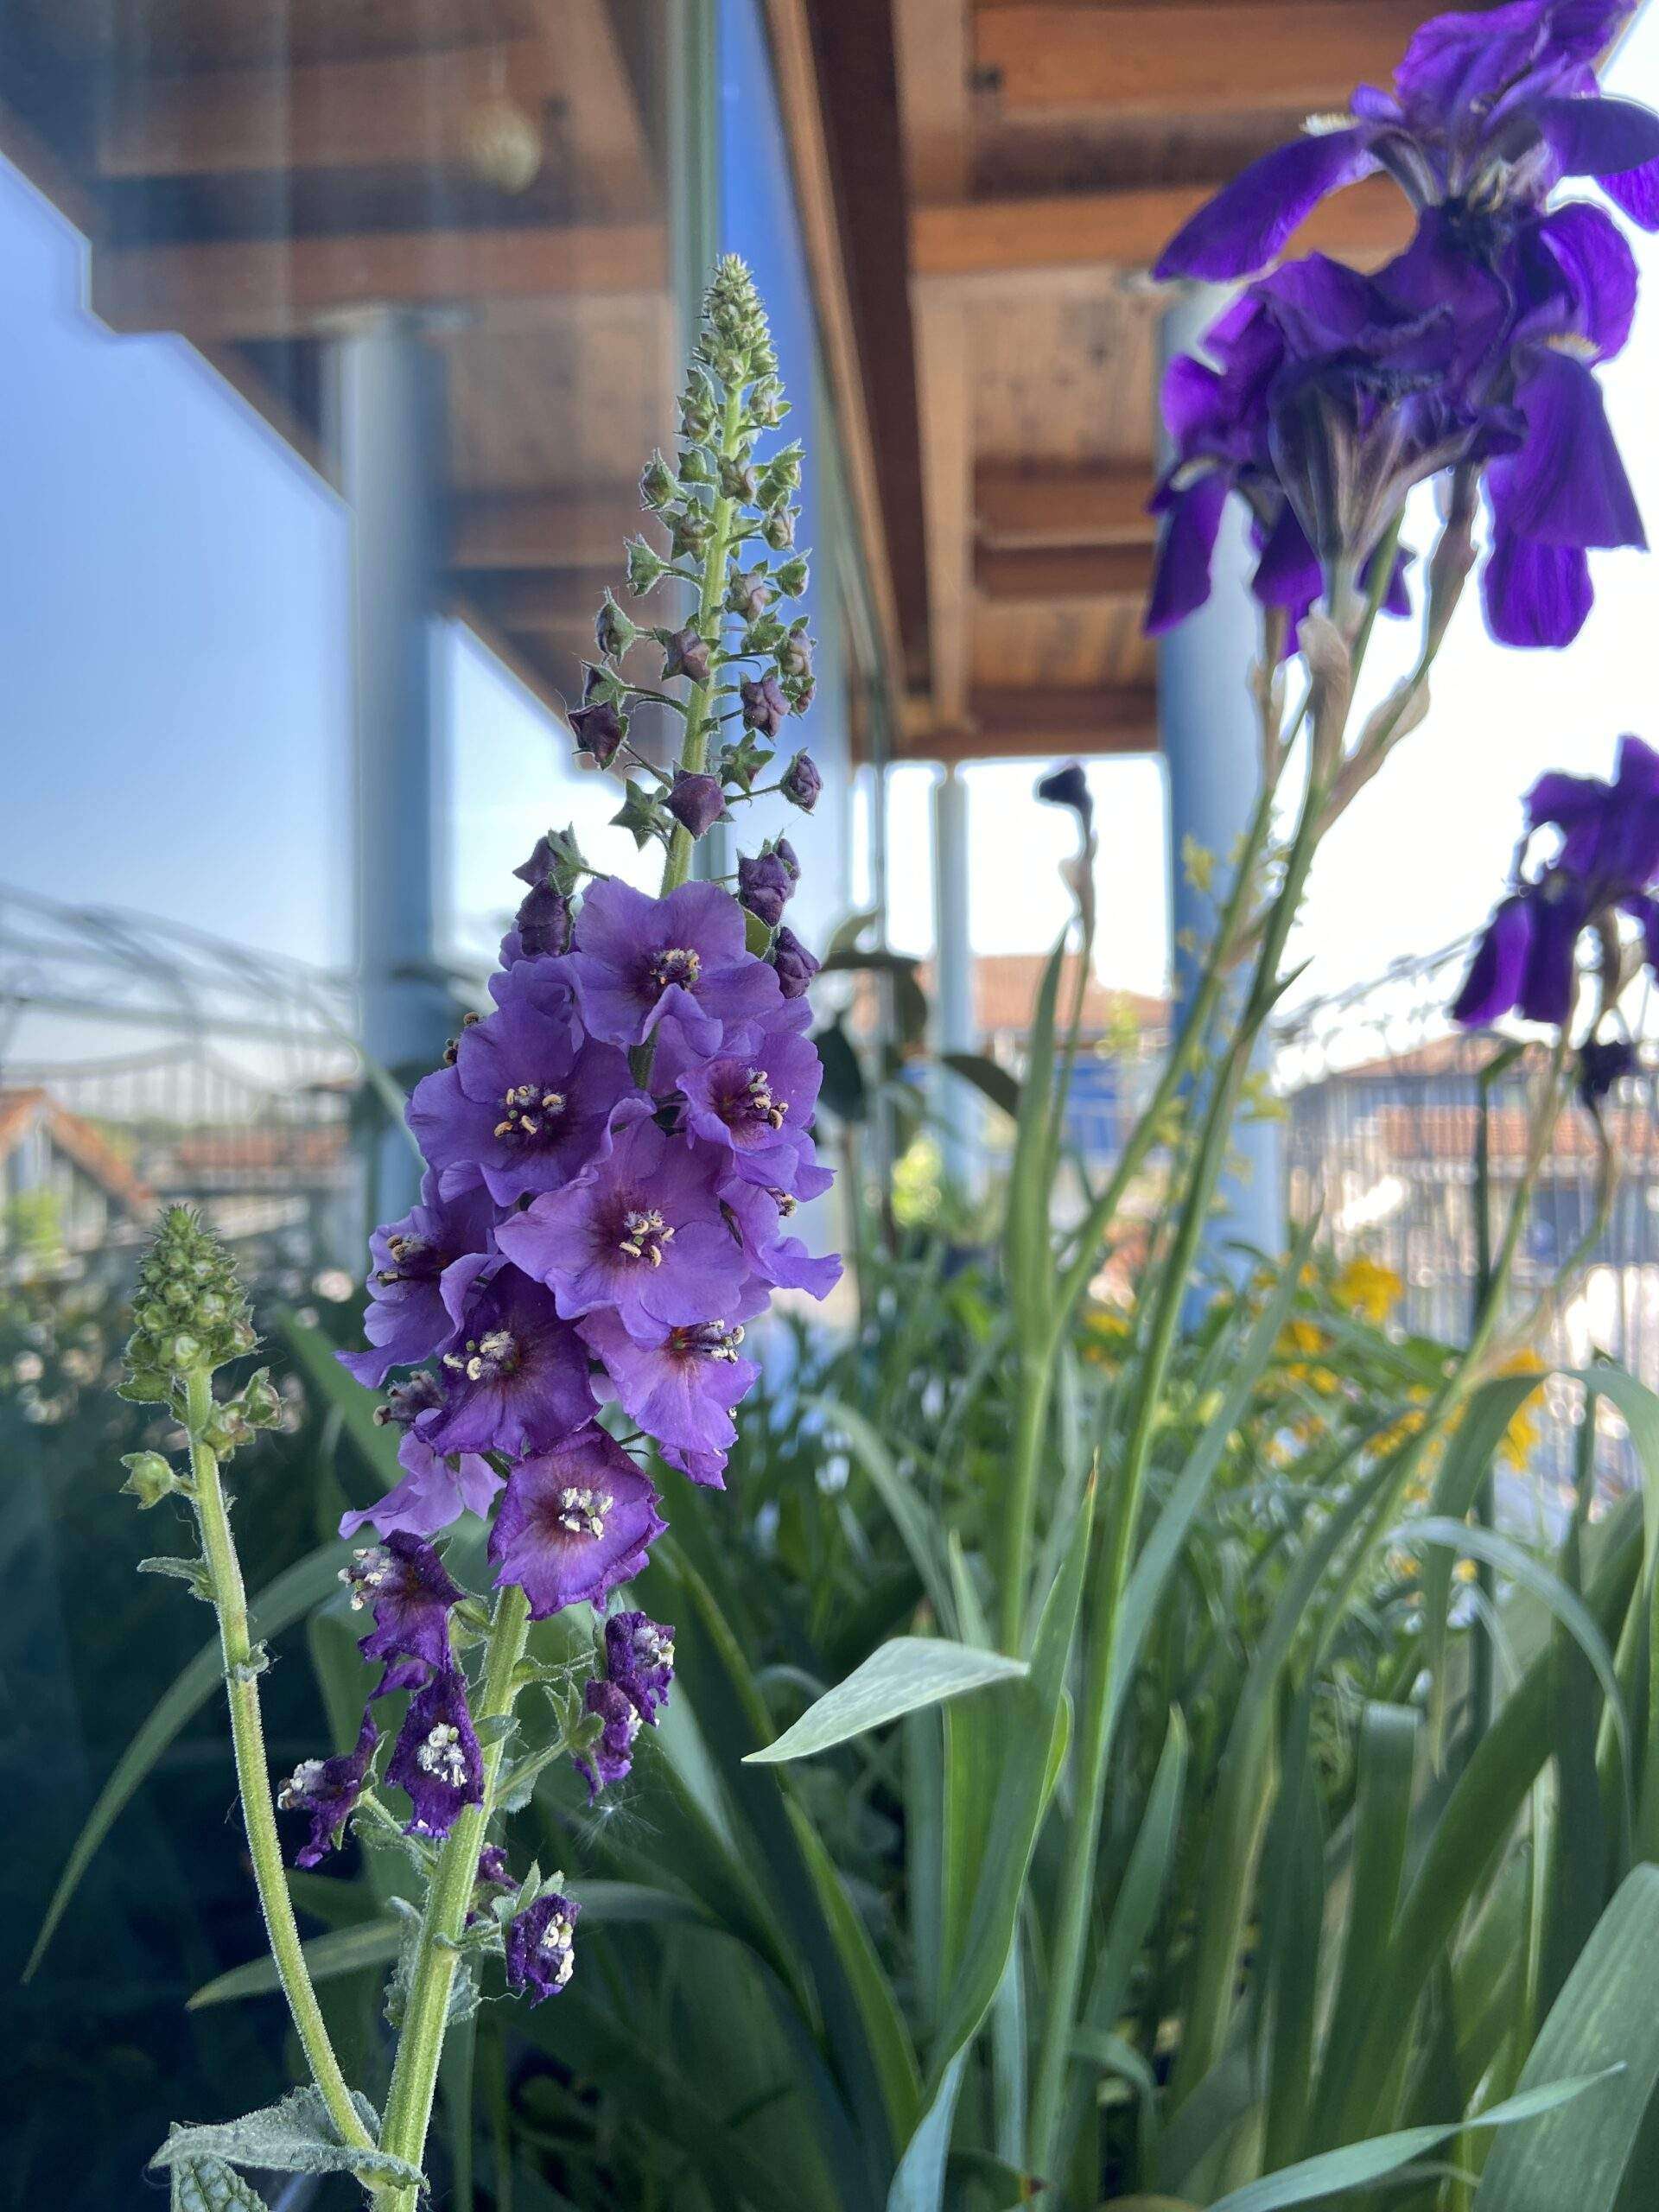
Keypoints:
(391, 433)
(1212, 749)
(953, 980)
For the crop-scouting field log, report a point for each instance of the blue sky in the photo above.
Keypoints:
(174, 634)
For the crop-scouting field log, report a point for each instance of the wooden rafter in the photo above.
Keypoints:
(1015, 507)
(1053, 576)
(1037, 725)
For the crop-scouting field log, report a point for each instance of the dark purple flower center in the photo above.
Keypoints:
(676, 963)
(528, 1112)
(751, 1101)
(652, 1645)
(785, 1202)
(413, 1258)
(642, 1234)
(488, 1358)
(369, 1570)
(705, 1340)
(407, 1400)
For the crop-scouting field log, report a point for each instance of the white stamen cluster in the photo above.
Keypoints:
(652, 1647)
(496, 1352)
(442, 1757)
(712, 1339)
(677, 964)
(558, 1941)
(582, 1511)
(521, 1106)
(644, 1235)
(369, 1569)
(757, 1101)
(300, 1784)
(402, 1251)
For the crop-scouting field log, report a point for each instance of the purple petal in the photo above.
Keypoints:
(1493, 982)
(1182, 582)
(1566, 485)
(1551, 976)
(1250, 219)
(574, 1523)
(1594, 258)
(1534, 595)
(1598, 136)
(1636, 192)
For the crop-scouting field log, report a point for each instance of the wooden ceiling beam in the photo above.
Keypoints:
(1220, 57)
(545, 529)
(283, 288)
(1049, 575)
(1018, 507)
(1025, 725)
(1039, 234)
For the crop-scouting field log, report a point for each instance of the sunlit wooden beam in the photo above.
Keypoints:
(1049, 575)
(1025, 725)
(1016, 506)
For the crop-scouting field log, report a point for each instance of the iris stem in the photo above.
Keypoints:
(252, 1768)
(426, 2016)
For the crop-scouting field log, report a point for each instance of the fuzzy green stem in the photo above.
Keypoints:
(252, 1770)
(694, 748)
(420, 2046)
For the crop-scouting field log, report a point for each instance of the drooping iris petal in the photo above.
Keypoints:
(1493, 982)
(1250, 219)
(1593, 265)
(1637, 192)
(1534, 595)
(1181, 582)
(1551, 973)
(1566, 485)
(1598, 136)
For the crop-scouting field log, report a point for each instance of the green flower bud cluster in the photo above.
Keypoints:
(731, 515)
(190, 1314)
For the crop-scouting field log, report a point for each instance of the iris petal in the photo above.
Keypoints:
(1566, 485)
(1182, 580)
(1493, 982)
(1598, 138)
(1534, 595)
(1250, 219)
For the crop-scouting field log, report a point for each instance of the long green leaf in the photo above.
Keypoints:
(909, 1516)
(1357, 2163)
(902, 1676)
(1602, 2156)
(288, 1599)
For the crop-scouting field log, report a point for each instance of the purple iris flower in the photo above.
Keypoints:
(423, 1267)
(610, 1757)
(1488, 110)
(411, 1593)
(756, 1102)
(436, 1760)
(681, 1381)
(527, 1103)
(432, 1494)
(642, 1232)
(328, 1789)
(636, 959)
(757, 1212)
(574, 1523)
(639, 1659)
(1602, 1063)
(1526, 960)
(540, 1947)
(516, 1379)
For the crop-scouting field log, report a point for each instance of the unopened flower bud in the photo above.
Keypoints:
(765, 885)
(686, 653)
(801, 783)
(800, 691)
(600, 730)
(189, 1314)
(692, 530)
(791, 579)
(612, 631)
(738, 480)
(767, 406)
(781, 476)
(695, 466)
(696, 802)
(779, 529)
(699, 416)
(659, 486)
(795, 965)
(765, 707)
(749, 595)
(149, 1479)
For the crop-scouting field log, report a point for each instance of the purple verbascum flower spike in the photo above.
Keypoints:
(574, 1523)
(411, 1594)
(540, 1947)
(436, 1760)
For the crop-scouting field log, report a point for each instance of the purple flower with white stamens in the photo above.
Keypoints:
(515, 1379)
(328, 1789)
(639, 1659)
(757, 1102)
(610, 1757)
(1489, 110)
(436, 1760)
(574, 1523)
(681, 1381)
(540, 1947)
(527, 1103)
(641, 1232)
(757, 1212)
(432, 1495)
(765, 883)
(636, 959)
(411, 1593)
(423, 1267)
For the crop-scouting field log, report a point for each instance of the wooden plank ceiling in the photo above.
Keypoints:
(1049, 151)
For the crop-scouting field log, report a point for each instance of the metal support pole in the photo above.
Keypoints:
(1212, 753)
(953, 980)
(389, 429)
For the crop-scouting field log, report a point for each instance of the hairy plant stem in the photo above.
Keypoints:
(694, 749)
(426, 2016)
(252, 1770)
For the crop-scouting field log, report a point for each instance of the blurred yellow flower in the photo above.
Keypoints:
(1521, 1437)
(1366, 1287)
